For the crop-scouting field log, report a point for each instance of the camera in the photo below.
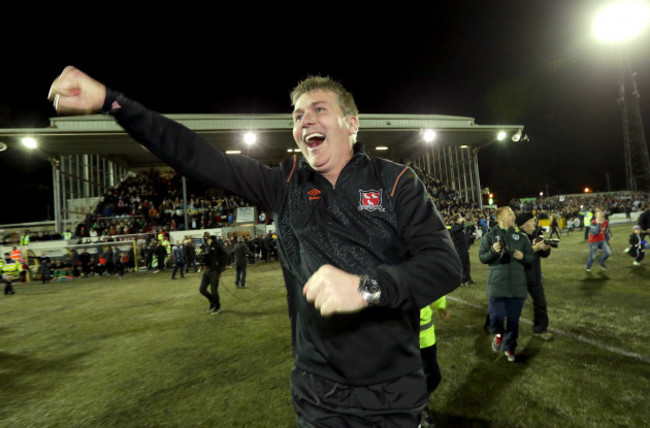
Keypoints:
(504, 254)
(552, 242)
(538, 235)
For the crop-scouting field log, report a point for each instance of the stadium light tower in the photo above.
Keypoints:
(617, 24)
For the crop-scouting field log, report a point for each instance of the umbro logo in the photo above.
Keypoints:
(314, 194)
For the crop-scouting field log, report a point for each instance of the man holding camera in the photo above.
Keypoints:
(505, 250)
(527, 223)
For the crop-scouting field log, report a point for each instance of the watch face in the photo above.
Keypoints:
(371, 285)
(370, 290)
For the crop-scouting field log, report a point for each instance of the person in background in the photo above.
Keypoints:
(527, 223)
(178, 254)
(599, 237)
(459, 237)
(555, 226)
(241, 253)
(190, 255)
(212, 258)
(644, 222)
(428, 352)
(637, 245)
(11, 270)
(505, 251)
(161, 254)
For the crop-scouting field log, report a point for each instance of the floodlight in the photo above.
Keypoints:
(501, 135)
(429, 135)
(29, 142)
(516, 137)
(250, 138)
(621, 21)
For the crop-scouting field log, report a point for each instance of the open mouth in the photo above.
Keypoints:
(314, 140)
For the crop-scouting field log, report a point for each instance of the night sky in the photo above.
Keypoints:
(533, 63)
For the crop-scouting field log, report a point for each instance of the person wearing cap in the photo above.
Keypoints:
(527, 223)
(637, 245)
(505, 250)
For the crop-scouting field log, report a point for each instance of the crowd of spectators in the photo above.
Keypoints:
(151, 202)
(570, 206)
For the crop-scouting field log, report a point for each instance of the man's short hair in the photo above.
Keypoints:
(313, 83)
(499, 212)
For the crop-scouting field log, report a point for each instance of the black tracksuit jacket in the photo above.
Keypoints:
(378, 220)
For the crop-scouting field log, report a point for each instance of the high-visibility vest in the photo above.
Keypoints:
(427, 329)
(588, 218)
(11, 268)
(24, 240)
(16, 255)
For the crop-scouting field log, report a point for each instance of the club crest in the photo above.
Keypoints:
(370, 200)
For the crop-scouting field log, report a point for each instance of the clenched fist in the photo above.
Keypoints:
(74, 92)
(333, 291)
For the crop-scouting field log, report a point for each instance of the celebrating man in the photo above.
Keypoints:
(360, 258)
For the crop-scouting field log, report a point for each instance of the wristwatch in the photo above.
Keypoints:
(370, 289)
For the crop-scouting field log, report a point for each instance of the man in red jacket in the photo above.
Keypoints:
(599, 236)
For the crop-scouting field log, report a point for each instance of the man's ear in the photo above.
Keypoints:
(353, 124)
